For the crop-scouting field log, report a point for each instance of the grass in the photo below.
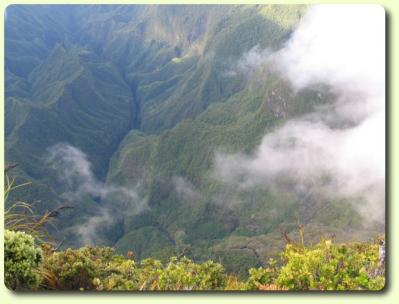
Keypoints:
(21, 216)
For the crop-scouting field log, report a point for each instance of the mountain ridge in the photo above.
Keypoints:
(151, 95)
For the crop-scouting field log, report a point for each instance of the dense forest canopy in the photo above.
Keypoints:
(204, 131)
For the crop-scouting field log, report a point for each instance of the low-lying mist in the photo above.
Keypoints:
(109, 202)
(343, 47)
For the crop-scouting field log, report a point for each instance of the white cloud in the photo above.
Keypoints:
(249, 63)
(74, 170)
(253, 59)
(342, 46)
(185, 189)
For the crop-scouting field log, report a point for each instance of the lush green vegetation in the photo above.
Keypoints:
(21, 261)
(36, 265)
(150, 94)
(325, 266)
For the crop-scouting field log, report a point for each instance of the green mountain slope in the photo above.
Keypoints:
(151, 94)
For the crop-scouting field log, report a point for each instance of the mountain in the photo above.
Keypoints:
(148, 95)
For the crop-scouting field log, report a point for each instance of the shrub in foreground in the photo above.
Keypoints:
(89, 268)
(21, 261)
(325, 266)
(75, 269)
